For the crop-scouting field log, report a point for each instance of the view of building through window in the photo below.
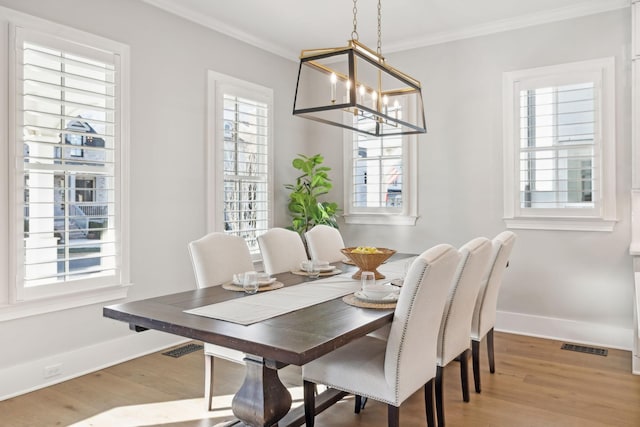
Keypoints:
(246, 137)
(557, 146)
(377, 171)
(68, 128)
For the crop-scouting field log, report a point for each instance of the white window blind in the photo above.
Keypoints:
(377, 172)
(66, 146)
(239, 160)
(558, 160)
(559, 141)
(380, 176)
(246, 172)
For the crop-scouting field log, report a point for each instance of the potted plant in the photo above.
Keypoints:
(305, 209)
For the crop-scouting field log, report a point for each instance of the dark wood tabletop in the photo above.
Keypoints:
(294, 338)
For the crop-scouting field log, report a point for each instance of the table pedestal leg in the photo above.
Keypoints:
(262, 399)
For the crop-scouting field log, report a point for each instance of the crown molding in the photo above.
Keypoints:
(590, 7)
(223, 28)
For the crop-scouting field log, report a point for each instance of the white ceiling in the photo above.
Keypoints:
(285, 27)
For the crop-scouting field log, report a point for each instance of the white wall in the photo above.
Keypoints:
(569, 285)
(169, 59)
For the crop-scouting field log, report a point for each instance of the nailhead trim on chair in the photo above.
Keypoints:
(484, 294)
(396, 403)
(404, 330)
(502, 245)
(453, 292)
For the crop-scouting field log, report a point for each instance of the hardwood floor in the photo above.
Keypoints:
(535, 384)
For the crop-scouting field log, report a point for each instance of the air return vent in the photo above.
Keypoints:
(181, 351)
(585, 349)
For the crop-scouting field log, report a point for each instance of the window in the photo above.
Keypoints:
(69, 145)
(560, 147)
(380, 175)
(240, 125)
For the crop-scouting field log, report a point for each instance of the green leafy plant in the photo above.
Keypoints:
(304, 207)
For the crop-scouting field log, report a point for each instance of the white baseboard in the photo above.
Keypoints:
(26, 377)
(565, 330)
(23, 378)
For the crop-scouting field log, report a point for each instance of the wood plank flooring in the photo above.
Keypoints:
(535, 384)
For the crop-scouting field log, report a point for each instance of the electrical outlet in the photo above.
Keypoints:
(52, 370)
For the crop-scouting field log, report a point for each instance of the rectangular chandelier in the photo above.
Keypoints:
(352, 87)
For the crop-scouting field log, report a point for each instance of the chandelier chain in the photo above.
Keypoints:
(379, 50)
(354, 33)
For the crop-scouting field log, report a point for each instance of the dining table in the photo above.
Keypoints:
(294, 336)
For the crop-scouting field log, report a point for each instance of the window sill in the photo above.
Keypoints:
(380, 219)
(62, 302)
(567, 224)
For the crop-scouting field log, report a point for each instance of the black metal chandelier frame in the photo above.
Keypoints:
(380, 121)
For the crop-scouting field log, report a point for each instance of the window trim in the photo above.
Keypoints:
(214, 151)
(11, 306)
(376, 216)
(603, 72)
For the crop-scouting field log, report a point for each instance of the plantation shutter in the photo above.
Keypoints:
(246, 172)
(377, 172)
(67, 120)
(559, 151)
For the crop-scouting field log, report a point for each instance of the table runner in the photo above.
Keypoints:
(256, 308)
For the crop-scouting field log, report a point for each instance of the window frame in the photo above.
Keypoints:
(381, 215)
(14, 303)
(216, 83)
(603, 217)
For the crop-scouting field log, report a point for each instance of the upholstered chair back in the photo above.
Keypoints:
(453, 337)
(217, 256)
(484, 316)
(410, 358)
(282, 250)
(324, 243)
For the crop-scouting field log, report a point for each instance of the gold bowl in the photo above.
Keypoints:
(368, 262)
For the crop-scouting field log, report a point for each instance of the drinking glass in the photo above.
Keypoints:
(313, 271)
(250, 284)
(367, 279)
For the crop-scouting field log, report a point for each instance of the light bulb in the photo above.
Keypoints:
(333, 79)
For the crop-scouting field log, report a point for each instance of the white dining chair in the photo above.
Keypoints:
(282, 250)
(324, 243)
(216, 257)
(391, 370)
(455, 326)
(484, 315)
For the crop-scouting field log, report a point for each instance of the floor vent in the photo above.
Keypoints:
(585, 349)
(185, 349)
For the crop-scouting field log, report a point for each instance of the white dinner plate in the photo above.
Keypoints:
(260, 282)
(392, 297)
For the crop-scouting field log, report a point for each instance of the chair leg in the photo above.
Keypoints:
(492, 363)
(309, 403)
(439, 397)
(475, 355)
(428, 401)
(393, 415)
(358, 404)
(208, 381)
(464, 374)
